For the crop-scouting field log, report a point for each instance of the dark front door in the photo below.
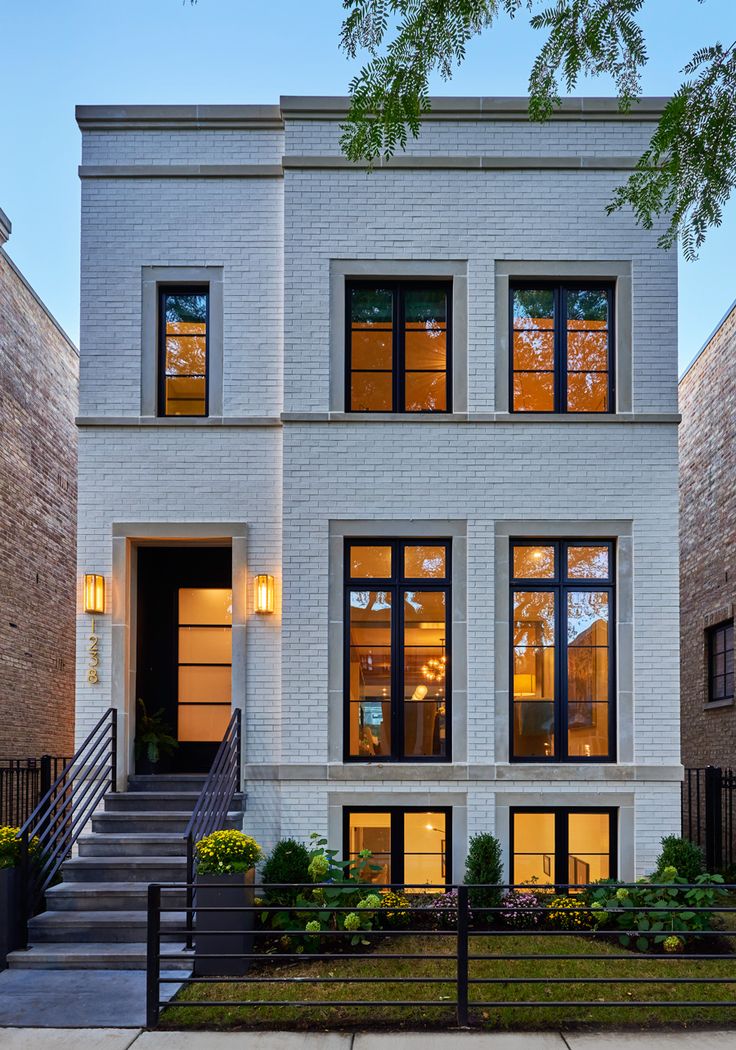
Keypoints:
(185, 648)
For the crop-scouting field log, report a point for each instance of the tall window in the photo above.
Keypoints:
(397, 636)
(720, 662)
(563, 846)
(183, 351)
(398, 352)
(561, 342)
(408, 845)
(562, 597)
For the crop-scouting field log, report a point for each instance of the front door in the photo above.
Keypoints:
(185, 648)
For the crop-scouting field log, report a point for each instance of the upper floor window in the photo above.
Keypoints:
(562, 608)
(398, 346)
(183, 351)
(397, 638)
(720, 662)
(562, 339)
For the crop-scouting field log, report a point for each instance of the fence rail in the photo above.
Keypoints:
(23, 782)
(478, 958)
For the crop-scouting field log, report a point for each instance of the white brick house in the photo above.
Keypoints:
(252, 212)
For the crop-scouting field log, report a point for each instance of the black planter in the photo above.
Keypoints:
(10, 927)
(228, 932)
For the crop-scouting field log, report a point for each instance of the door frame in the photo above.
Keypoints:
(127, 537)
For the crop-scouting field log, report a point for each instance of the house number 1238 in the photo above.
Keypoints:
(94, 657)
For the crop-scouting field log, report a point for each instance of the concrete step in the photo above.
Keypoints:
(157, 801)
(133, 844)
(124, 869)
(168, 782)
(96, 956)
(109, 927)
(133, 822)
(107, 896)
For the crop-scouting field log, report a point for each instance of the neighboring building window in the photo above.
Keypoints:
(183, 351)
(720, 662)
(407, 845)
(562, 610)
(398, 346)
(563, 846)
(397, 644)
(562, 343)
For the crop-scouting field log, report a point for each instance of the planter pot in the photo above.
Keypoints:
(10, 929)
(227, 932)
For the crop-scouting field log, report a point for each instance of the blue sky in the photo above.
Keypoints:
(57, 54)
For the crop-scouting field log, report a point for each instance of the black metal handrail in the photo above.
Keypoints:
(63, 812)
(213, 804)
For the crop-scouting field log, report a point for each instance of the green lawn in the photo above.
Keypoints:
(551, 985)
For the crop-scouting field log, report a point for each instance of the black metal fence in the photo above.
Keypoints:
(464, 966)
(708, 814)
(23, 782)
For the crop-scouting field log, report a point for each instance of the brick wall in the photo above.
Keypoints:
(38, 496)
(707, 538)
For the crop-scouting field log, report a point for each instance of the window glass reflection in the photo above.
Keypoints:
(184, 353)
(537, 562)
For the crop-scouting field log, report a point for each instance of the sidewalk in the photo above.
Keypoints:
(123, 1039)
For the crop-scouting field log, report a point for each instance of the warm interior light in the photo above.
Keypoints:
(264, 593)
(94, 593)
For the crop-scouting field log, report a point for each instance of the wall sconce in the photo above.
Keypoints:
(264, 593)
(94, 593)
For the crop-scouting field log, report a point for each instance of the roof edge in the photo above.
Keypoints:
(709, 340)
(21, 277)
(6, 227)
(335, 107)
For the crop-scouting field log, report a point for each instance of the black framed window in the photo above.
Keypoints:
(397, 646)
(399, 336)
(407, 844)
(563, 846)
(183, 351)
(562, 346)
(562, 650)
(720, 662)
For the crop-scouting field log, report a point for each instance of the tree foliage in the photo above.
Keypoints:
(684, 177)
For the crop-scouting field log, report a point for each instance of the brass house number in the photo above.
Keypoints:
(94, 657)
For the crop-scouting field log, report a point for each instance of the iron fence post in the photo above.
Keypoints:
(462, 956)
(25, 888)
(153, 949)
(190, 891)
(713, 818)
(114, 749)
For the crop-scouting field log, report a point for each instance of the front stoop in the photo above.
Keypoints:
(96, 917)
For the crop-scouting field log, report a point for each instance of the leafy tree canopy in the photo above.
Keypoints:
(686, 174)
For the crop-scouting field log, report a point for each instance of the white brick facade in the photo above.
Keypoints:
(288, 467)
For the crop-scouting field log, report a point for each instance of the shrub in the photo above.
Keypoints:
(518, 910)
(484, 865)
(288, 862)
(681, 854)
(400, 915)
(568, 913)
(225, 852)
(10, 847)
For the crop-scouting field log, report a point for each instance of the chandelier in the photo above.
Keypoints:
(435, 669)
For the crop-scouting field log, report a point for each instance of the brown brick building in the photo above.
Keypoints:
(39, 369)
(708, 550)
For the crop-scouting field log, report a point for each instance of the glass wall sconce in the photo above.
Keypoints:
(94, 593)
(264, 593)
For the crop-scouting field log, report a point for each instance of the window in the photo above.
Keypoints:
(204, 671)
(397, 637)
(720, 662)
(562, 609)
(563, 846)
(408, 845)
(183, 351)
(561, 338)
(398, 346)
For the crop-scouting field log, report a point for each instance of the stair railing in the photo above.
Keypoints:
(213, 804)
(47, 837)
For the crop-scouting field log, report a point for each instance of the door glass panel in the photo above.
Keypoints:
(372, 831)
(204, 662)
(534, 848)
(589, 847)
(587, 673)
(369, 671)
(425, 672)
(534, 673)
(425, 849)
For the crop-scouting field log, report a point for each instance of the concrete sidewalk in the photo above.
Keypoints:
(124, 1039)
